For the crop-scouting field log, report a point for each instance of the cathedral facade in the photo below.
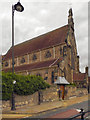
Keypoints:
(49, 55)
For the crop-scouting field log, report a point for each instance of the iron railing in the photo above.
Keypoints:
(81, 114)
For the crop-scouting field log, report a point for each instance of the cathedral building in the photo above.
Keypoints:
(49, 55)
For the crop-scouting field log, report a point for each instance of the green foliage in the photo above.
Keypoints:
(25, 85)
(6, 85)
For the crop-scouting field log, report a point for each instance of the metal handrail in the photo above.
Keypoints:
(82, 113)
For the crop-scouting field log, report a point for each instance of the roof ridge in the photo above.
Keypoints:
(50, 38)
(40, 35)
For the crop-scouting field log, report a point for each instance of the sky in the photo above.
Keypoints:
(42, 16)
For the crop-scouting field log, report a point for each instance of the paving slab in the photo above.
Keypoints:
(31, 110)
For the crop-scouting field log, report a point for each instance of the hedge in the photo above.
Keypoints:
(25, 85)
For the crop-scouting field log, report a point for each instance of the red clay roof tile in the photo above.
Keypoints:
(79, 76)
(52, 38)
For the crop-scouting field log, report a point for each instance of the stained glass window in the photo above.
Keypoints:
(48, 54)
(34, 57)
(6, 64)
(23, 60)
(60, 51)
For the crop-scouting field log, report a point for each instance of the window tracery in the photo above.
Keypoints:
(38, 74)
(48, 54)
(23, 60)
(6, 64)
(61, 51)
(34, 57)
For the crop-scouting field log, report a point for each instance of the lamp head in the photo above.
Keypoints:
(18, 7)
(14, 81)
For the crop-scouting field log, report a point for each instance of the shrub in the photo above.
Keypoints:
(6, 85)
(25, 85)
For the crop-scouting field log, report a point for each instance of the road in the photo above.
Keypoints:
(60, 111)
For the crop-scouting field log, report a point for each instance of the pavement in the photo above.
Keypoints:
(43, 107)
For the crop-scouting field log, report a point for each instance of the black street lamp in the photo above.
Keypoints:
(18, 7)
(13, 98)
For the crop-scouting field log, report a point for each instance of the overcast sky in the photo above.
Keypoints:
(41, 16)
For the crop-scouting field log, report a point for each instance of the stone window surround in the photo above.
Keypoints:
(22, 60)
(38, 74)
(48, 54)
(6, 64)
(34, 57)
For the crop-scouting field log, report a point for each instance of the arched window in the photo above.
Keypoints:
(64, 50)
(23, 60)
(48, 54)
(61, 51)
(34, 57)
(6, 64)
(52, 76)
(38, 74)
(72, 59)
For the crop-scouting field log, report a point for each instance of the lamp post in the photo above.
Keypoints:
(13, 98)
(18, 7)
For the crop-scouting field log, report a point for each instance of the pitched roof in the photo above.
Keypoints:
(49, 39)
(36, 65)
(79, 76)
(61, 80)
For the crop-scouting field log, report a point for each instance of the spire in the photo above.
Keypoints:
(70, 18)
(70, 12)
